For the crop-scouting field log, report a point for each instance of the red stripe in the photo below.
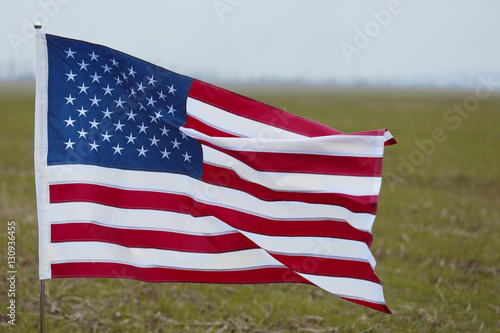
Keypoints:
(316, 164)
(204, 128)
(221, 176)
(132, 199)
(164, 240)
(255, 110)
(389, 142)
(375, 306)
(329, 267)
(162, 274)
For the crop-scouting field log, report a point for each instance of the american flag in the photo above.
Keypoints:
(146, 174)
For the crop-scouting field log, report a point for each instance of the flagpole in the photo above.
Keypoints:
(38, 27)
(42, 307)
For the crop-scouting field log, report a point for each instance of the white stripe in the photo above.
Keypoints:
(332, 145)
(348, 287)
(387, 135)
(314, 247)
(233, 124)
(106, 252)
(295, 182)
(205, 193)
(79, 212)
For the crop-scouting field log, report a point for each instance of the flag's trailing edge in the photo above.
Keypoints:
(145, 174)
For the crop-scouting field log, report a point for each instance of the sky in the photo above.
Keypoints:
(441, 42)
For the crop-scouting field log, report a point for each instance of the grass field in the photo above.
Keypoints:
(435, 236)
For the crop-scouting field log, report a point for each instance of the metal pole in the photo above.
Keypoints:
(42, 307)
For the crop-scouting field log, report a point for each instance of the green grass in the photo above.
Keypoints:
(435, 237)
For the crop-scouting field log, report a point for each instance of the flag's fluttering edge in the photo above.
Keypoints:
(146, 174)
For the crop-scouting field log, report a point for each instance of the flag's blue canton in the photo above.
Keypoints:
(110, 109)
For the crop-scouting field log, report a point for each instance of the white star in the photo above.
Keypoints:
(141, 87)
(106, 136)
(94, 124)
(151, 101)
(82, 112)
(119, 102)
(161, 96)
(124, 76)
(94, 56)
(153, 119)
(107, 113)
(187, 157)
(93, 146)
(131, 138)
(117, 149)
(70, 122)
(83, 65)
(154, 141)
(69, 144)
(119, 126)
(171, 109)
(107, 90)
(132, 92)
(131, 71)
(151, 80)
(70, 53)
(95, 100)
(69, 99)
(70, 76)
(106, 68)
(184, 136)
(158, 115)
(114, 62)
(142, 151)
(164, 131)
(83, 88)
(95, 77)
(142, 128)
(118, 80)
(165, 153)
(171, 89)
(82, 133)
(131, 115)
(141, 107)
(176, 144)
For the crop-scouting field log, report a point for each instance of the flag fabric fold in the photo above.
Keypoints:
(146, 174)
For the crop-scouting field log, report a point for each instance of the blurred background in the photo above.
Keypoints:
(447, 43)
